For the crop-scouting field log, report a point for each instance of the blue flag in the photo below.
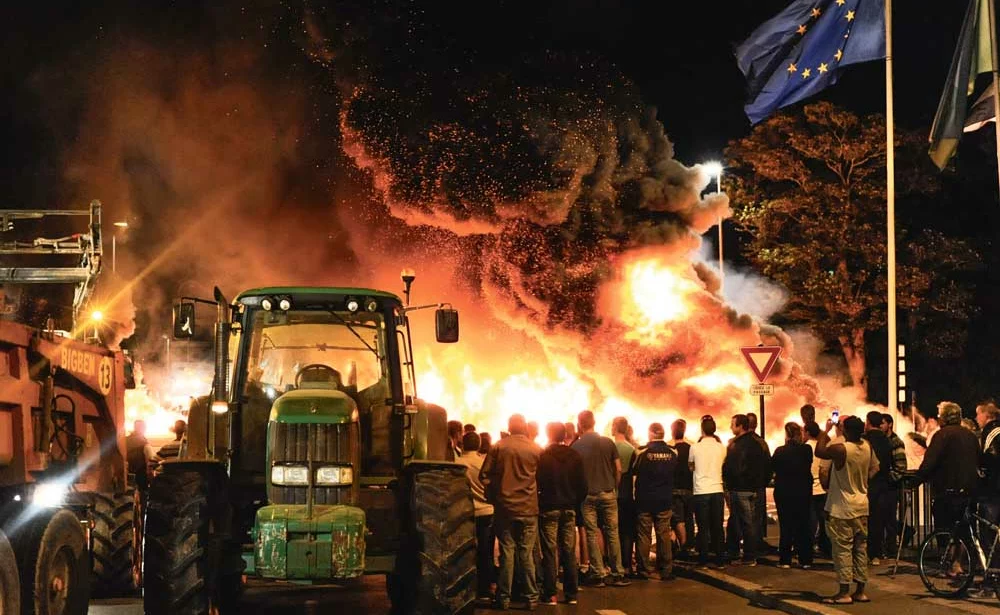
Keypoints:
(802, 50)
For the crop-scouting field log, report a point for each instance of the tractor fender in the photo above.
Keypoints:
(429, 432)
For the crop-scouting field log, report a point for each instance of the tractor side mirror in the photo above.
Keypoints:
(446, 325)
(184, 320)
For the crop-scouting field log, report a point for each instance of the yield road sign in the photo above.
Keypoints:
(761, 359)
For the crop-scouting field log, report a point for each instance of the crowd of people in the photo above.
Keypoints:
(584, 510)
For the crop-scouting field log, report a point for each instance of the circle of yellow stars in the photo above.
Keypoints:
(824, 66)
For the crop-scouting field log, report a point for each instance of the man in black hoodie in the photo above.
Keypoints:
(746, 470)
(562, 488)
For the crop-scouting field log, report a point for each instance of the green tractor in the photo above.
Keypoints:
(313, 461)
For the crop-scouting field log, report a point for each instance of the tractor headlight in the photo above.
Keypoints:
(267, 303)
(49, 495)
(353, 305)
(290, 475)
(285, 304)
(335, 475)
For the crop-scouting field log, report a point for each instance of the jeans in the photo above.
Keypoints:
(817, 524)
(882, 513)
(743, 522)
(600, 513)
(485, 571)
(664, 548)
(793, 519)
(558, 538)
(708, 512)
(760, 514)
(517, 537)
(850, 548)
(626, 532)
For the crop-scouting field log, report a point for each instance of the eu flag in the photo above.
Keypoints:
(802, 50)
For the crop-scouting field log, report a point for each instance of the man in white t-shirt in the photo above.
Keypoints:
(707, 456)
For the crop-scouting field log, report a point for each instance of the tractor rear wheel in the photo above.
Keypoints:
(435, 571)
(185, 546)
(54, 563)
(10, 581)
(113, 539)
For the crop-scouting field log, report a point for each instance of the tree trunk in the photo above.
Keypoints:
(854, 351)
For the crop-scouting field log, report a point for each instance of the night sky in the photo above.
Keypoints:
(677, 54)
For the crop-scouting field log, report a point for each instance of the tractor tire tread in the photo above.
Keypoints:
(436, 573)
(112, 544)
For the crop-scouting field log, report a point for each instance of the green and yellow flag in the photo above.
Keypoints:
(973, 56)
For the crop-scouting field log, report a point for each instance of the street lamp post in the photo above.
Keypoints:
(114, 245)
(715, 169)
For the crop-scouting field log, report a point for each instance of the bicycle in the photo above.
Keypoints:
(946, 560)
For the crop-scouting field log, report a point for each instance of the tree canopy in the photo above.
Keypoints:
(809, 190)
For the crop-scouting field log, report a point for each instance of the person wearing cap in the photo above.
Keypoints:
(654, 469)
(950, 465)
(706, 460)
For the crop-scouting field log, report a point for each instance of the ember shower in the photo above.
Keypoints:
(569, 223)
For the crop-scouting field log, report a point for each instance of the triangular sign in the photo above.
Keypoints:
(761, 359)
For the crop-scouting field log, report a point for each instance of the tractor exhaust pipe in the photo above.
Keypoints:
(222, 328)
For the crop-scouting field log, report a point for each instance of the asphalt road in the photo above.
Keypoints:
(368, 597)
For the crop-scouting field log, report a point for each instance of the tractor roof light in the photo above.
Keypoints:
(267, 303)
(220, 407)
(285, 304)
(371, 305)
(353, 305)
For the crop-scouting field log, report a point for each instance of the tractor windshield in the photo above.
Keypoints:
(315, 349)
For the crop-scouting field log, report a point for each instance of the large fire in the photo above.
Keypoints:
(162, 405)
(654, 298)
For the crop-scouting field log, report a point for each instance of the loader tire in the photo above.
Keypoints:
(50, 548)
(10, 581)
(112, 543)
(184, 569)
(435, 571)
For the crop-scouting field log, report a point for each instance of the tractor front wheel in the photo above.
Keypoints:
(185, 546)
(435, 571)
(51, 552)
(10, 581)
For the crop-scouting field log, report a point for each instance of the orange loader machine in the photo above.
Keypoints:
(66, 504)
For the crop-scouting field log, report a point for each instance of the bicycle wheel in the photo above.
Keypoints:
(946, 564)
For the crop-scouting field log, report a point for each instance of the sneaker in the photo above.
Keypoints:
(876, 561)
(807, 566)
(750, 563)
(637, 576)
(592, 581)
(784, 566)
(619, 582)
(571, 600)
(550, 601)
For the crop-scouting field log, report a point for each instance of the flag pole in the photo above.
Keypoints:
(996, 81)
(890, 184)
